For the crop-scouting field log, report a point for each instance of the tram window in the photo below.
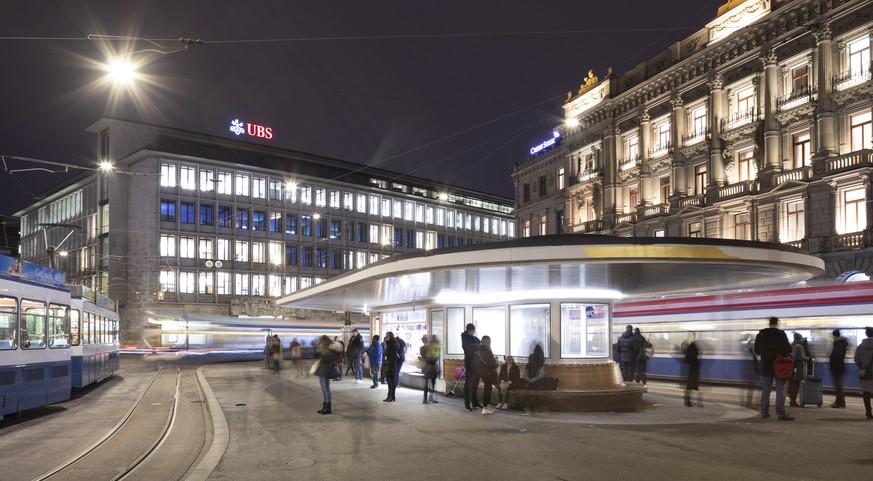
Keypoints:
(88, 327)
(59, 326)
(8, 322)
(455, 326)
(34, 325)
(528, 326)
(74, 327)
(113, 338)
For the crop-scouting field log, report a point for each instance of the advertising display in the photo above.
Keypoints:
(409, 326)
(15, 267)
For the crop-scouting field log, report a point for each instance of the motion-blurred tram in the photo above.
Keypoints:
(725, 326)
(50, 340)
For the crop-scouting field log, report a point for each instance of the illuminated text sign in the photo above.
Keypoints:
(538, 148)
(239, 127)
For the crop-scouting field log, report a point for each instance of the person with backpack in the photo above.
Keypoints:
(644, 351)
(769, 343)
(470, 344)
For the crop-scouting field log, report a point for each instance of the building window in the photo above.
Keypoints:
(634, 196)
(409, 211)
(274, 285)
(290, 192)
(306, 225)
(259, 252)
(526, 193)
(168, 175)
(188, 177)
(167, 280)
(398, 236)
(526, 232)
(275, 222)
(374, 205)
(241, 251)
(320, 197)
(419, 213)
(242, 184)
(241, 284)
(222, 284)
(859, 57)
(795, 224)
(276, 253)
(336, 259)
(275, 191)
(800, 148)
(861, 131)
(320, 258)
(362, 203)
(242, 219)
(664, 189)
(742, 227)
(410, 238)
(800, 79)
(633, 148)
(259, 221)
(224, 183)
(207, 214)
(542, 186)
(306, 195)
(186, 213)
(543, 224)
(561, 179)
(205, 249)
(745, 159)
(334, 199)
(698, 122)
(225, 218)
(259, 284)
(204, 284)
(694, 229)
(321, 228)
(186, 247)
(291, 284)
(663, 140)
(348, 201)
(386, 207)
(187, 283)
(700, 179)
(168, 210)
(222, 249)
(168, 245)
(854, 211)
(291, 224)
(746, 100)
(528, 326)
(259, 188)
(290, 255)
(306, 256)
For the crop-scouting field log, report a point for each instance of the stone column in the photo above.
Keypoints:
(646, 191)
(718, 111)
(825, 119)
(772, 159)
(610, 160)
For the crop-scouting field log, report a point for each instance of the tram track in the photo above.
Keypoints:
(133, 440)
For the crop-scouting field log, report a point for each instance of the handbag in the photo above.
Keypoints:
(314, 368)
(333, 371)
(783, 367)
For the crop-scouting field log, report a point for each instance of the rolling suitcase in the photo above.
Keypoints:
(810, 390)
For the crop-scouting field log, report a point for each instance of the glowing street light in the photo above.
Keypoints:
(572, 122)
(121, 71)
(106, 166)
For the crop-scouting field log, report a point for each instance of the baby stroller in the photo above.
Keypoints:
(460, 374)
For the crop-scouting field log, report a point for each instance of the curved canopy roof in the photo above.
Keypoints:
(583, 267)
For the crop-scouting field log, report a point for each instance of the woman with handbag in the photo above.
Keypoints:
(864, 361)
(327, 369)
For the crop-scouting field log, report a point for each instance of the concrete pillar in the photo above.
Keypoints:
(718, 111)
(646, 191)
(772, 159)
(825, 118)
(610, 144)
(678, 186)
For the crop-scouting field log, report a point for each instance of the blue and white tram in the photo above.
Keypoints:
(93, 336)
(725, 326)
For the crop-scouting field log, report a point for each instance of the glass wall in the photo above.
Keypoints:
(584, 330)
(436, 329)
(409, 326)
(454, 327)
(528, 326)
(491, 321)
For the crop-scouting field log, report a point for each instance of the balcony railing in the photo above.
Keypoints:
(656, 210)
(802, 174)
(799, 97)
(593, 225)
(735, 190)
(588, 174)
(849, 241)
(659, 150)
(629, 218)
(689, 201)
(695, 137)
(859, 158)
(630, 163)
(852, 77)
(797, 243)
(738, 119)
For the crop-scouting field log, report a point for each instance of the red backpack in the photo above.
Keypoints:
(783, 367)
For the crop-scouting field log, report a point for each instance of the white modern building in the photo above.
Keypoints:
(212, 226)
(756, 127)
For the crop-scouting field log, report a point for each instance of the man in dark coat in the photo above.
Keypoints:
(837, 366)
(627, 352)
(769, 343)
(353, 353)
(470, 343)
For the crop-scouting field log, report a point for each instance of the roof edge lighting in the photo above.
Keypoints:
(473, 298)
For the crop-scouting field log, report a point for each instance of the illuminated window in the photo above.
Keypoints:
(526, 232)
(222, 283)
(419, 213)
(334, 199)
(795, 224)
(854, 211)
(241, 284)
(242, 184)
(744, 165)
(188, 177)
(306, 195)
(186, 247)
(386, 207)
(634, 196)
(859, 56)
(168, 175)
(320, 197)
(861, 131)
(694, 229)
(374, 205)
(348, 201)
(561, 179)
(698, 121)
(700, 179)
(204, 250)
(187, 283)
(167, 280)
(204, 282)
(259, 188)
(259, 252)
(224, 183)
(275, 285)
(428, 215)
(633, 148)
(665, 189)
(259, 284)
(746, 100)
(584, 330)
(222, 249)
(742, 227)
(663, 133)
(275, 222)
(241, 251)
(800, 78)
(275, 191)
(168, 245)
(800, 148)
(543, 224)
(259, 220)
(362, 203)
(528, 326)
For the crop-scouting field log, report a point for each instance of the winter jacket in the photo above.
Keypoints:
(768, 343)
(627, 347)
(470, 344)
(485, 364)
(511, 374)
(864, 359)
(391, 360)
(838, 356)
(326, 357)
(374, 353)
(798, 352)
(356, 345)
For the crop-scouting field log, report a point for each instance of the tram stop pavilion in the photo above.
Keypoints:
(556, 291)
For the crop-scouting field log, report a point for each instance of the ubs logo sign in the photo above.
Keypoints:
(238, 128)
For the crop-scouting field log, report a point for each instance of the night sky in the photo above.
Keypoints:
(451, 91)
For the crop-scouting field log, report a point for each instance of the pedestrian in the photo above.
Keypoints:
(534, 378)
(801, 356)
(340, 357)
(354, 353)
(837, 365)
(769, 343)
(328, 369)
(374, 353)
(642, 361)
(470, 344)
(390, 364)
(864, 361)
(627, 351)
(430, 355)
(275, 349)
(692, 380)
(486, 371)
(508, 378)
(401, 359)
(297, 358)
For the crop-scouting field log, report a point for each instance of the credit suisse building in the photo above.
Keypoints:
(214, 226)
(756, 127)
